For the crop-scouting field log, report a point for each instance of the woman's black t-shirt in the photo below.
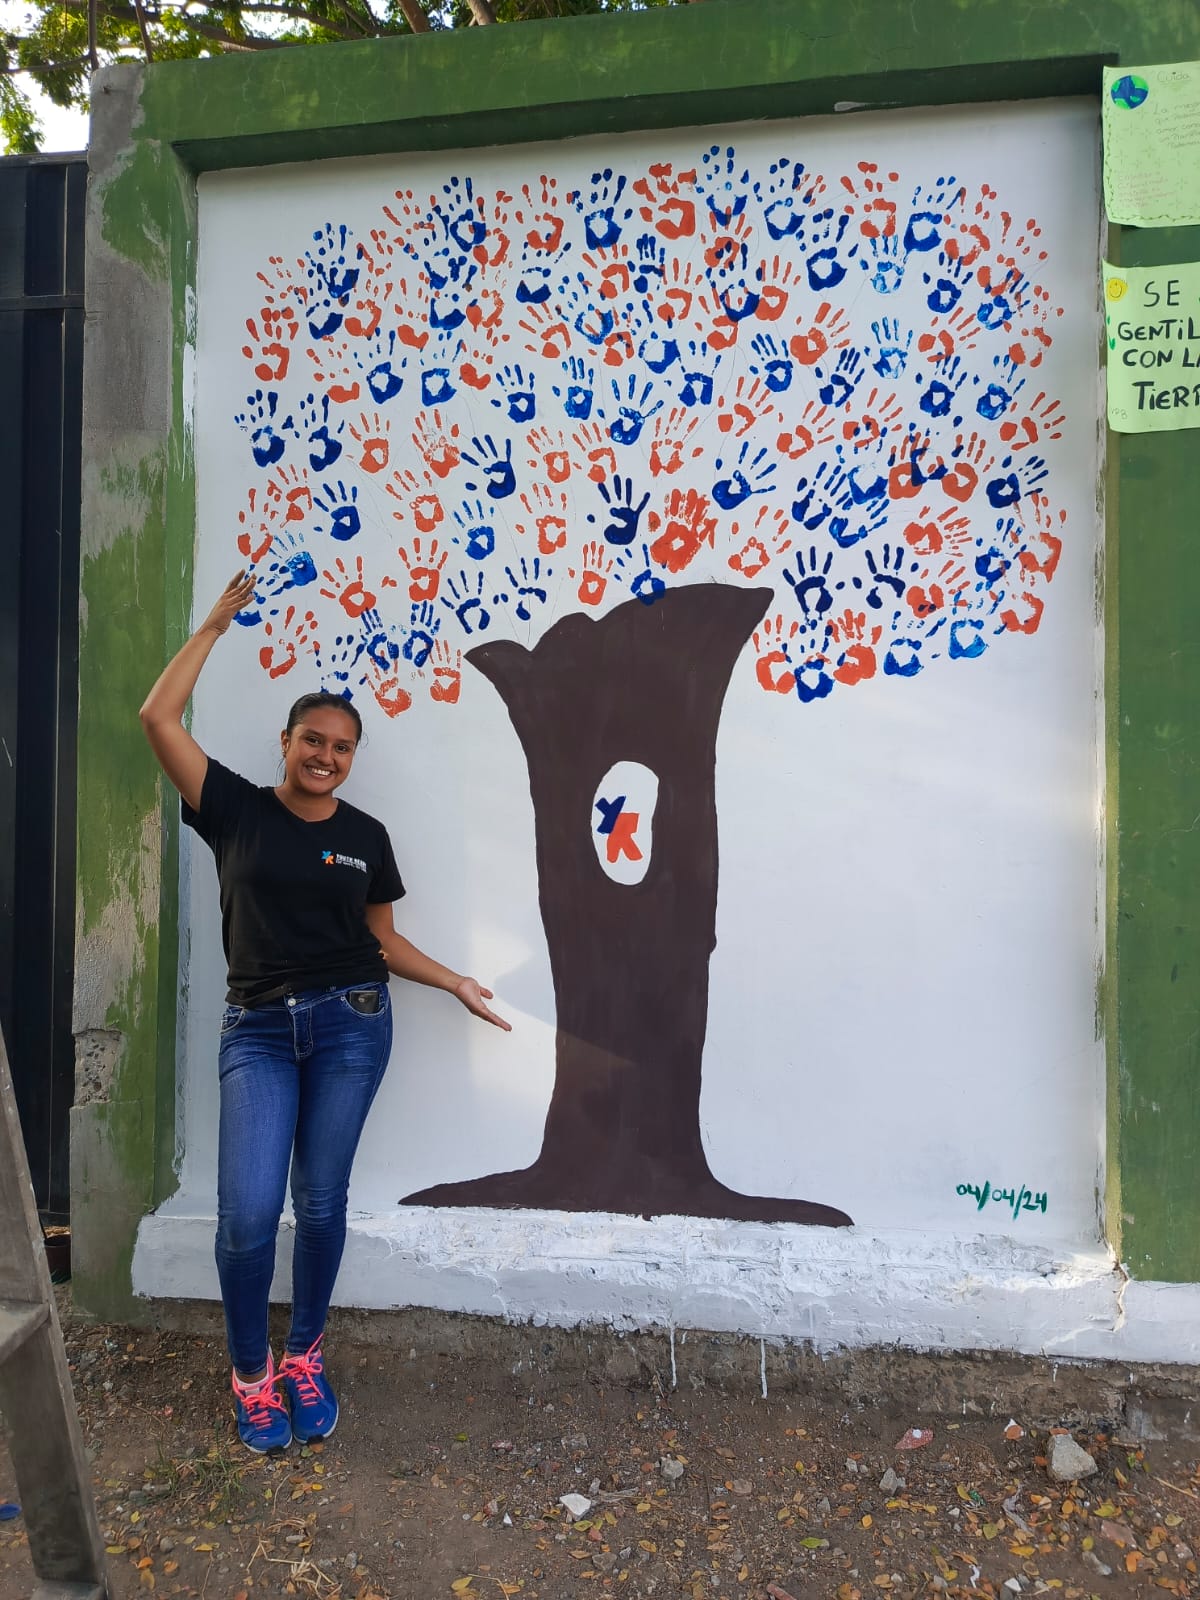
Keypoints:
(293, 893)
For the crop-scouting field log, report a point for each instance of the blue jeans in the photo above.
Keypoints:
(298, 1076)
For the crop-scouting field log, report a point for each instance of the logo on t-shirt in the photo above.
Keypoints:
(330, 859)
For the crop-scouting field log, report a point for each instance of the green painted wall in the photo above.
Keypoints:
(724, 60)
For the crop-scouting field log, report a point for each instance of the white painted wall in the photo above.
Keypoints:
(902, 995)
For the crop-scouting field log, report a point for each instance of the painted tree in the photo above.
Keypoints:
(626, 426)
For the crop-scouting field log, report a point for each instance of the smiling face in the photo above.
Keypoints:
(319, 752)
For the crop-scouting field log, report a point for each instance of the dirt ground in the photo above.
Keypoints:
(445, 1477)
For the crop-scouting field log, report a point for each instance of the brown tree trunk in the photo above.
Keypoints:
(646, 684)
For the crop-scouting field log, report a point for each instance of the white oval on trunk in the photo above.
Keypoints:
(623, 821)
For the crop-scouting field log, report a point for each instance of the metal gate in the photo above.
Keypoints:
(41, 379)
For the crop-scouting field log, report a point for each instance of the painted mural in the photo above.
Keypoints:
(602, 444)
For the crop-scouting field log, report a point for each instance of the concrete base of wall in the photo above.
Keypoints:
(821, 1291)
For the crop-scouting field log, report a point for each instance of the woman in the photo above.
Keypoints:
(307, 885)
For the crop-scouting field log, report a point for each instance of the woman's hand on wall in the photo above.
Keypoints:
(234, 597)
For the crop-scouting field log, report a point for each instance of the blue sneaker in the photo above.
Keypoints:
(262, 1417)
(314, 1404)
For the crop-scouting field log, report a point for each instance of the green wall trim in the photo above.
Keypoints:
(156, 128)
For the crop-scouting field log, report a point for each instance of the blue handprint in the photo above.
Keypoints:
(464, 600)
(946, 283)
(886, 576)
(646, 585)
(841, 383)
(479, 534)
(534, 286)
(577, 399)
(778, 195)
(383, 368)
(324, 447)
(268, 436)
(497, 468)
(810, 583)
(337, 661)
(632, 413)
(725, 194)
(749, 475)
(886, 264)
(819, 234)
(658, 351)
(293, 570)
(423, 630)
(816, 498)
(341, 507)
(600, 210)
(891, 356)
(775, 364)
(593, 320)
(995, 400)
(966, 639)
(1020, 481)
(327, 263)
(903, 659)
(459, 214)
(651, 263)
(624, 516)
(939, 395)
(436, 387)
(699, 363)
(451, 291)
(518, 395)
(525, 587)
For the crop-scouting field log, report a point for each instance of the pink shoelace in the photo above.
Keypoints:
(260, 1399)
(304, 1370)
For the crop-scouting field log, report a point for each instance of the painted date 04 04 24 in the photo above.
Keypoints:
(1019, 1199)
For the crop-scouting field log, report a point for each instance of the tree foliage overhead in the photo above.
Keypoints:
(57, 44)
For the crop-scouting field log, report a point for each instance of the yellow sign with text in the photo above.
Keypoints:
(1152, 330)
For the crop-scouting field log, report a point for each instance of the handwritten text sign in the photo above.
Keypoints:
(1151, 119)
(1152, 327)
(1019, 1199)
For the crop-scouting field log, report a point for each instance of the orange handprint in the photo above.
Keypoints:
(421, 498)
(768, 538)
(689, 527)
(773, 668)
(549, 453)
(424, 569)
(857, 661)
(750, 402)
(372, 434)
(669, 208)
(813, 429)
(830, 330)
(669, 436)
(288, 637)
(594, 573)
(348, 587)
(592, 442)
(445, 663)
(256, 522)
(969, 459)
(546, 508)
(288, 486)
(437, 445)
(868, 426)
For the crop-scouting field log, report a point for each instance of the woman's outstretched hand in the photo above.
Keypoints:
(235, 596)
(471, 995)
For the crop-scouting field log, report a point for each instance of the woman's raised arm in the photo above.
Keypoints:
(180, 757)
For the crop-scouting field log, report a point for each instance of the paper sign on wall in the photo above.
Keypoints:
(1151, 120)
(1152, 326)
